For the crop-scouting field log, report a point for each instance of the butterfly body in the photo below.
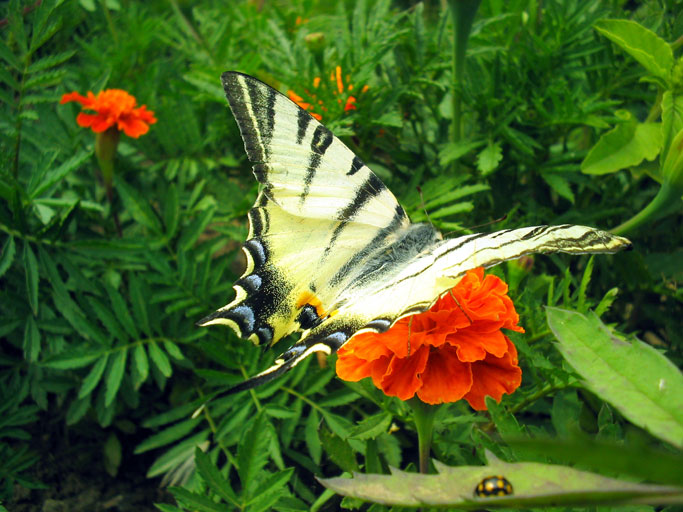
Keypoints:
(330, 252)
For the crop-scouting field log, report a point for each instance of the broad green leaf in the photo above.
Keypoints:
(31, 340)
(672, 169)
(641, 383)
(160, 359)
(114, 375)
(31, 271)
(168, 435)
(489, 158)
(371, 427)
(252, 453)
(213, 478)
(93, 378)
(534, 485)
(627, 145)
(650, 50)
(7, 255)
(137, 206)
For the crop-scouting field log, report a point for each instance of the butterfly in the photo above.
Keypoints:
(330, 252)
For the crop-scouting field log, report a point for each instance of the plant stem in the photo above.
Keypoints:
(423, 414)
(666, 198)
(463, 12)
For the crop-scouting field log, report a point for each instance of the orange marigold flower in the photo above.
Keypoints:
(455, 350)
(112, 107)
(300, 101)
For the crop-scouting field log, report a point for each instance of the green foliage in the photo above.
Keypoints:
(99, 297)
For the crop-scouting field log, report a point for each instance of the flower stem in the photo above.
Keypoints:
(423, 414)
(463, 12)
(666, 198)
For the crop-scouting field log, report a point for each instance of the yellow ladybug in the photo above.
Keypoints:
(493, 486)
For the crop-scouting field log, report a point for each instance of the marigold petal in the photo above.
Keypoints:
(493, 377)
(446, 378)
(73, 96)
(95, 122)
(402, 376)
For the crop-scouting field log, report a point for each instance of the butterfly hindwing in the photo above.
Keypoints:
(330, 252)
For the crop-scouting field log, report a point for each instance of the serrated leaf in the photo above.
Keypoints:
(115, 375)
(160, 359)
(672, 117)
(191, 233)
(650, 50)
(454, 150)
(171, 210)
(108, 320)
(179, 454)
(71, 360)
(94, 375)
(338, 450)
(213, 478)
(270, 491)
(252, 453)
(121, 311)
(56, 175)
(198, 502)
(31, 274)
(625, 146)
(371, 427)
(7, 256)
(139, 302)
(641, 383)
(489, 158)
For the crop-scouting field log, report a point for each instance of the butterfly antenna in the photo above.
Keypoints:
(422, 203)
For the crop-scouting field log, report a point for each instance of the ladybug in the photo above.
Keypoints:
(493, 486)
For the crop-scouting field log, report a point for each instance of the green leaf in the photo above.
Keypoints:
(454, 150)
(642, 384)
(213, 478)
(489, 158)
(71, 360)
(108, 319)
(7, 255)
(650, 50)
(191, 233)
(141, 362)
(58, 174)
(181, 453)
(160, 359)
(115, 375)
(270, 491)
(371, 427)
(121, 311)
(171, 210)
(559, 184)
(168, 435)
(627, 145)
(31, 270)
(252, 453)
(197, 502)
(93, 378)
(534, 485)
(139, 302)
(338, 450)
(137, 206)
(112, 454)
(672, 118)
(31, 340)
(311, 436)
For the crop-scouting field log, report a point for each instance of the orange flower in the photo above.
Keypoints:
(337, 90)
(455, 350)
(112, 107)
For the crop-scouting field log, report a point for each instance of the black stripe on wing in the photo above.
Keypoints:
(320, 142)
